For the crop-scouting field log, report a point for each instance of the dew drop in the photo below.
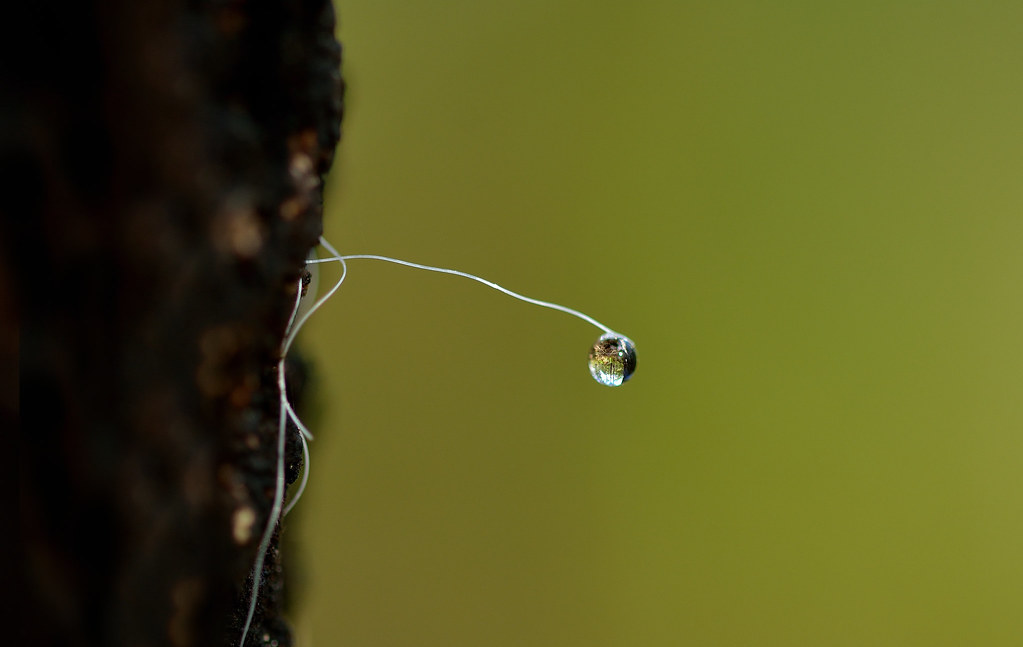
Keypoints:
(612, 359)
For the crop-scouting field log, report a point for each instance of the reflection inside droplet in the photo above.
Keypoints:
(612, 359)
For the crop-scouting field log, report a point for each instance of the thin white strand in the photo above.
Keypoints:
(286, 410)
(275, 509)
(298, 423)
(444, 270)
(276, 513)
(301, 322)
(278, 500)
(305, 476)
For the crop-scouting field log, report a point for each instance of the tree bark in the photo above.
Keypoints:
(164, 163)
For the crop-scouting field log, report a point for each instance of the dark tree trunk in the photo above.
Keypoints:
(163, 165)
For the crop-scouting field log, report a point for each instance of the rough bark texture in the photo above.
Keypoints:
(163, 162)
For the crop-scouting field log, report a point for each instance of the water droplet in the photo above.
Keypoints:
(612, 359)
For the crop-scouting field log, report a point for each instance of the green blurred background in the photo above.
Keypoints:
(807, 215)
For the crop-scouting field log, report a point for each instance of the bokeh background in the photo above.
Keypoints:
(809, 217)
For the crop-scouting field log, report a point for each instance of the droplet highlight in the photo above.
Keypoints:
(612, 359)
